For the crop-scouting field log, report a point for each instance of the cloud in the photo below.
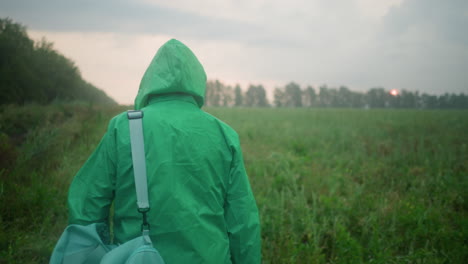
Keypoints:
(114, 62)
(410, 44)
(421, 45)
(447, 21)
(124, 17)
(260, 22)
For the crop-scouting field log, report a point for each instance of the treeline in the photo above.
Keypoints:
(292, 95)
(35, 72)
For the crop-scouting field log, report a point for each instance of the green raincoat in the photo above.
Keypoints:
(202, 206)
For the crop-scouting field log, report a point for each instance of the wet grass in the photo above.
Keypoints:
(41, 148)
(332, 186)
(356, 186)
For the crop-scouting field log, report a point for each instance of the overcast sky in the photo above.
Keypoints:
(396, 44)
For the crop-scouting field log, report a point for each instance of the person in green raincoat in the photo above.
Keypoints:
(202, 206)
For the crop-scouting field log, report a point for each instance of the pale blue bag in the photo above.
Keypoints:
(80, 244)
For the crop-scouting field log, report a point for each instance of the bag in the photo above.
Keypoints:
(80, 244)
(85, 244)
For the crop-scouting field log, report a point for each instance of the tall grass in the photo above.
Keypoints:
(41, 148)
(356, 186)
(332, 186)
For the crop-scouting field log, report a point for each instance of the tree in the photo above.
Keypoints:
(357, 99)
(409, 99)
(376, 98)
(293, 95)
(309, 98)
(324, 96)
(256, 96)
(444, 100)
(227, 96)
(35, 72)
(17, 77)
(344, 97)
(428, 101)
(213, 93)
(238, 98)
(279, 98)
(218, 94)
(459, 101)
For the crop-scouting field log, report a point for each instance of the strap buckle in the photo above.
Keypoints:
(134, 114)
(145, 225)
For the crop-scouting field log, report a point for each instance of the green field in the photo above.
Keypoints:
(332, 185)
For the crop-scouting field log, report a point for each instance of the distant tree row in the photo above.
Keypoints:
(35, 72)
(218, 94)
(292, 95)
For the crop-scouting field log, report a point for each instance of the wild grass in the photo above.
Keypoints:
(356, 186)
(332, 185)
(41, 148)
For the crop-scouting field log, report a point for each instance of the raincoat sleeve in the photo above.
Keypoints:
(241, 214)
(92, 190)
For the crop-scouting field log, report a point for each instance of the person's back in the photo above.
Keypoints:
(202, 208)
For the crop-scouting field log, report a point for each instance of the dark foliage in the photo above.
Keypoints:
(292, 95)
(35, 72)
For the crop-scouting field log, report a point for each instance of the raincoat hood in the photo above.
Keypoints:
(174, 69)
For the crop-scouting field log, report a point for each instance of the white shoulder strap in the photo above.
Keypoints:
(138, 158)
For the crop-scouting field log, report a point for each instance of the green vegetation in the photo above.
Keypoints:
(35, 72)
(333, 186)
(353, 186)
(41, 148)
(292, 95)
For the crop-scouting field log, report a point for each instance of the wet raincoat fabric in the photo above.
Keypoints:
(202, 206)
